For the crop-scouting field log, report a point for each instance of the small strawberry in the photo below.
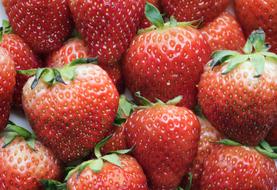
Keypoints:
(25, 161)
(254, 14)
(224, 33)
(114, 171)
(107, 26)
(22, 55)
(70, 108)
(238, 91)
(184, 10)
(7, 84)
(238, 167)
(166, 60)
(145, 22)
(43, 24)
(165, 139)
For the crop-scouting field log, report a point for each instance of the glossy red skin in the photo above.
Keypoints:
(145, 22)
(209, 135)
(166, 140)
(238, 168)
(188, 10)
(43, 25)
(74, 49)
(253, 14)
(23, 168)
(166, 63)
(24, 59)
(239, 105)
(224, 33)
(117, 141)
(7, 84)
(272, 136)
(107, 26)
(128, 177)
(72, 118)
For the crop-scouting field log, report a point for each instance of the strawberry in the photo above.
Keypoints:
(253, 14)
(25, 161)
(238, 167)
(22, 55)
(114, 171)
(75, 49)
(224, 33)
(107, 26)
(272, 136)
(43, 24)
(7, 83)
(145, 22)
(167, 61)
(208, 135)
(165, 139)
(183, 10)
(238, 91)
(70, 108)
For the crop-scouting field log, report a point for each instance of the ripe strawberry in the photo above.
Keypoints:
(208, 135)
(145, 22)
(237, 167)
(167, 61)
(22, 56)
(25, 161)
(43, 24)
(238, 92)
(165, 140)
(254, 14)
(224, 33)
(194, 9)
(107, 26)
(70, 108)
(7, 83)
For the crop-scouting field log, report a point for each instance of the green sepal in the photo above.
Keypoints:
(274, 148)
(229, 142)
(5, 29)
(233, 62)
(271, 155)
(52, 185)
(125, 151)
(31, 142)
(81, 61)
(179, 188)
(173, 21)
(266, 146)
(198, 111)
(175, 100)
(271, 56)
(96, 165)
(189, 185)
(38, 75)
(257, 39)
(97, 149)
(258, 61)
(248, 48)
(112, 158)
(153, 15)
(9, 137)
(143, 101)
(219, 57)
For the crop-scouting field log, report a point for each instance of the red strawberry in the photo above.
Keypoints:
(7, 83)
(224, 33)
(70, 108)
(236, 167)
(254, 14)
(43, 24)
(185, 10)
(165, 140)
(145, 22)
(238, 92)
(208, 135)
(25, 161)
(272, 136)
(107, 26)
(22, 56)
(167, 61)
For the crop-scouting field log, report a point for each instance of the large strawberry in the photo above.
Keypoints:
(22, 56)
(145, 22)
(238, 167)
(166, 60)
(107, 26)
(238, 91)
(43, 24)
(114, 171)
(185, 10)
(224, 33)
(70, 108)
(25, 161)
(254, 14)
(7, 83)
(165, 139)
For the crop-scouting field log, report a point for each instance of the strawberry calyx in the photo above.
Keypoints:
(5, 29)
(255, 50)
(189, 185)
(52, 184)
(12, 131)
(155, 17)
(263, 148)
(53, 76)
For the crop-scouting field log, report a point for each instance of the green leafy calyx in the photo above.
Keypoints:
(53, 76)
(52, 184)
(255, 50)
(5, 29)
